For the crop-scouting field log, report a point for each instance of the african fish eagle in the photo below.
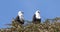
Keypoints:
(20, 17)
(37, 17)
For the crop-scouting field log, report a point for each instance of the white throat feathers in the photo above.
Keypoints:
(37, 13)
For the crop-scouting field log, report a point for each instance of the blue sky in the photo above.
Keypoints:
(10, 8)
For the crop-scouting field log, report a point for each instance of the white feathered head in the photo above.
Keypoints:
(20, 12)
(37, 13)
